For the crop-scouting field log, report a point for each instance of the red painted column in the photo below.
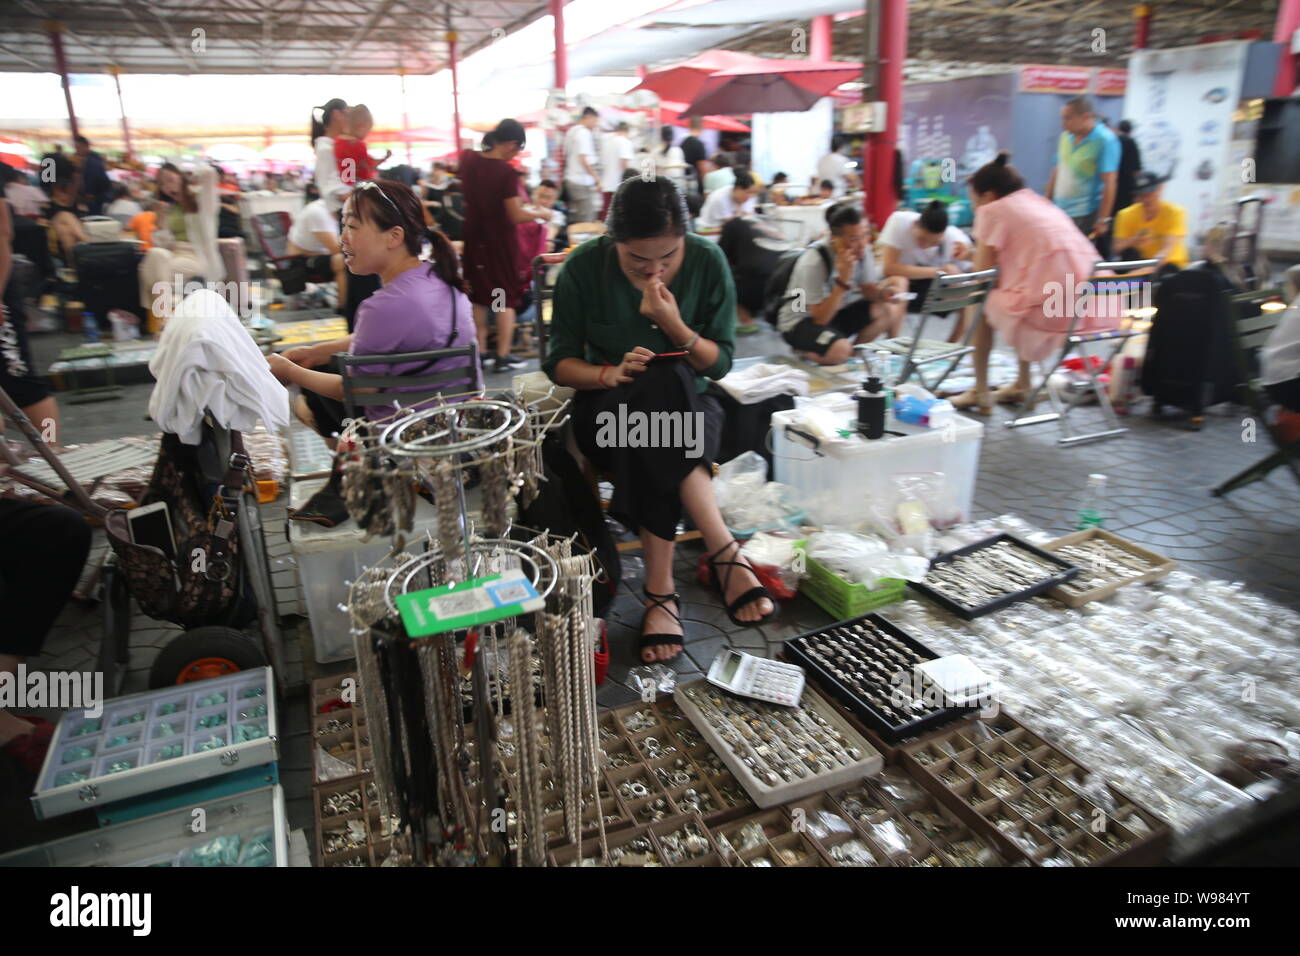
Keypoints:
(55, 30)
(1288, 21)
(1142, 29)
(455, 91)
(561, 53)
(121, 106)
(881, 198)
(819, 47)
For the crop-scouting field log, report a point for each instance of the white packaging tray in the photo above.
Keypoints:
(170, 717)
(762, 794)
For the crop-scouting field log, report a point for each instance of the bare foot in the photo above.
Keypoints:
(658, 620)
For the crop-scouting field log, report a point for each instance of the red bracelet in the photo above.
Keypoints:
(600, 379)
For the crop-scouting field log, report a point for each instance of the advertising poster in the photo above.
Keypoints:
(1182, 103)
(968, 120)
(1039, 78)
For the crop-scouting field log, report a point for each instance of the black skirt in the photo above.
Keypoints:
(649, 434)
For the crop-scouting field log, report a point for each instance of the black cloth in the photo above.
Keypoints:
(1286, 394)
(320, 269)
(753, 254)
(1190, 362)
(451, 217)
(360, 288)
(17, 372)
(808, 336)
(328, 413)
(747, 425)
(1130, 163)
(646, 479)
(43, 548)
(32, 240)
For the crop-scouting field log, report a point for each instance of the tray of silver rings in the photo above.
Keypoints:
(778, 753)
(988, 575)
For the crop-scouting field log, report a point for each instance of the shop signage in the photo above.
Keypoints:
(1111, 82)
(1054, 79)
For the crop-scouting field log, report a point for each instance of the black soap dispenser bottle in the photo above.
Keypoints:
(871, 400)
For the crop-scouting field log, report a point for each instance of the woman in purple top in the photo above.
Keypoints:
(420, 306)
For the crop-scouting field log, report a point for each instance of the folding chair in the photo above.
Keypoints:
(1251, 327)
(410, 388)
(543, 292)
(272, 232)
(948, 293)
(1127, 290)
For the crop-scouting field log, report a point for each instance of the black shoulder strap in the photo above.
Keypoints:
(227, 520)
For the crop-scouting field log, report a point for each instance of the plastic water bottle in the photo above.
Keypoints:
(1091, 507)
(91, 327)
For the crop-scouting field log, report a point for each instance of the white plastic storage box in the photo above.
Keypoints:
(836, 480)
(159, 739)
(330, 559)
(243, 829)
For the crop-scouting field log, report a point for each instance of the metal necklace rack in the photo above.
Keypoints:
(438, 768)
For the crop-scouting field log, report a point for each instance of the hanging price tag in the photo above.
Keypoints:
(453, 607)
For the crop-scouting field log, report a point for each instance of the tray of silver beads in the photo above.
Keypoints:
(778, 753)
(989, 575)
(1102, 563)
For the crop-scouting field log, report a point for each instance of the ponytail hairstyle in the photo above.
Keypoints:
(644, 208)
(997, 177)
(189, 201)
(398, 207)
(320, 117)
(508, 130)
(934, 217)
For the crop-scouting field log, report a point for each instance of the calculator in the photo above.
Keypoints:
(757, 677)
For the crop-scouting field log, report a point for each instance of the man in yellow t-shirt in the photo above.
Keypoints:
(1151, 227)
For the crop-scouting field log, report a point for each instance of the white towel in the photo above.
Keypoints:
(206, 360)
(760, 382)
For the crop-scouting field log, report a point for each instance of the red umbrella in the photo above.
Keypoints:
(777, 86)
(670, 115)
(683, 81)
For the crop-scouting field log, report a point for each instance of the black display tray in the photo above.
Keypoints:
(1068, 571)
(861, 709)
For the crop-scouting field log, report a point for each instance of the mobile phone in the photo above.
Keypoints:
(151, 525)
(668, 355)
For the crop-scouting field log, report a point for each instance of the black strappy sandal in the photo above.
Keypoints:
(753, 594)
(656, 640)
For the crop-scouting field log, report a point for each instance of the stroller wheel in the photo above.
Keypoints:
(202, 653)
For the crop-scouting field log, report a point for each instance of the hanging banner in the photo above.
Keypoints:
(1182, 101)
(1111, 83)
(1036, 78)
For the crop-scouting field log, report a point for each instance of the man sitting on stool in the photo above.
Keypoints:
(314, 236)
(837, 295)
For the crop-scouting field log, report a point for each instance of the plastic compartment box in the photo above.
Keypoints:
(329, 559)
(257, 817)
(133, 750)
(836, 479)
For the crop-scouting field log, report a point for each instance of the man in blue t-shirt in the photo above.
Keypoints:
(1086, 175)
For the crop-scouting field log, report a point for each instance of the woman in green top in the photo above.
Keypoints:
(646, 288)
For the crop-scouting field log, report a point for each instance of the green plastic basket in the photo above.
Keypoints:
(841, 599)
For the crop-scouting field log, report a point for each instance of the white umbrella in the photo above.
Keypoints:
(231, 153)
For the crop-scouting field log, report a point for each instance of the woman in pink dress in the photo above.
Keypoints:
(1041, 257)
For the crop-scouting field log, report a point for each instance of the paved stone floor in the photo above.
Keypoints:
(1159, 475)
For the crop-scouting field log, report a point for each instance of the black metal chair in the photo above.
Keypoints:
(948, 293)
(543, 292)
(1251, 326)
(363, 390)
(1128, 290)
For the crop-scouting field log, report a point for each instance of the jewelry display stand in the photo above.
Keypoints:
(439, 765)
